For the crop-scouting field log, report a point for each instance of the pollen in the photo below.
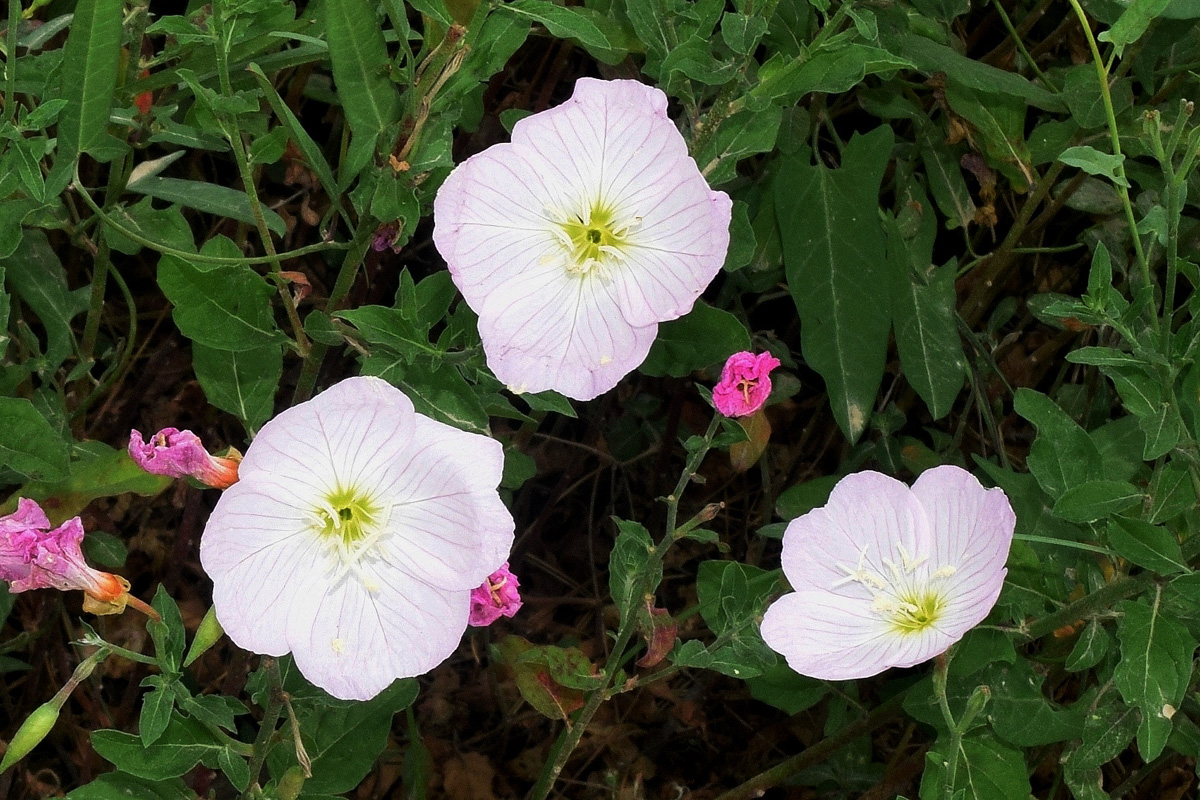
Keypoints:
(593, 238)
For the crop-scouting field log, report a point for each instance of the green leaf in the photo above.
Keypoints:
(741, 135)
(1063, 455)
(207, 197)
(343, 738)
(104, 549)
(946, 181)
(1155, 667)
(168, 633)
(988, 769)
(1132, 23)
(1091, 646)
(1088, 502)
(1106, 732)
(1171, 492)
(96, 471)
(1000, 122)
(157, 705)
(1152, 547)
(804, 497)
(830, 69)
(835, 258)
(632, 569)
(183, 744)
(731, 597)
(924, 312)
(742, 32)
(119, 786)
(782, 688)
(1093, 162)
(742, 243)
(703, 336)
(242, 383)
(562, 22)
(360, 63)
(35, 275)
(225, 308)
(91, 58)
(28, 445)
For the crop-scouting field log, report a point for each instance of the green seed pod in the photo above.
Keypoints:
(290, 784)
(207, 635)
(32, 731)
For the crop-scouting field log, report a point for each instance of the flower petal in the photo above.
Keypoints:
(828, 637)
(448, 527)
(353, 642)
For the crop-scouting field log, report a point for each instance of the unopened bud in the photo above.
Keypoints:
(291, 784)
(208, 634)
(30, 734)
(975, 704)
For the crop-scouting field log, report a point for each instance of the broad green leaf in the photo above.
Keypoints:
(946, 182)
(1163, 429)
(923, 312)
(702, 337)
(1132, 23)
(931, 57)
(804, 497)
(1154, 670)
(835, 258)
(1000, 122)
(731, 597)
(104, 550)
(1106, 732)
(1171, 492)
(988, 769)
(1091, 646)
(742, 32)
(157, 705)
(119, 786)
(742, 242)
(1063, 455)
(360, 63)
(1081, 92)
(1093, 162)
(562, 21)
(28, 445)
(35, 275)
(242, 383)
(343, 738)
(225, 308)
(184, 743)
(537, 680)
(1088, 502)
(91, 58)
(207, 197)
(1152, 547)
(782, 688)
(830, 69)
(739, 136)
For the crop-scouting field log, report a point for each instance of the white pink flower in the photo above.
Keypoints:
(888, 576)
(576, 239)
(354, 537)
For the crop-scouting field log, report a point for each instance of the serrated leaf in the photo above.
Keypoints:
(835, 260)
(1093, 162)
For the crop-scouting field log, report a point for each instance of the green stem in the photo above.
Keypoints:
(941, 669)
(1016, 37)
(357, 250)
(1122, 183)
(10, 61)
(233, 133)
(271, 715)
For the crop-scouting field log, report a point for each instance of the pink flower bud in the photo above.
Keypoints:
(745, 383)
(498, 596)
(179, 454)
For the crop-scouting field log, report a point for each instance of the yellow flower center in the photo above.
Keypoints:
(347, 516)
(915, 612)
(593, 238)
(903, 594)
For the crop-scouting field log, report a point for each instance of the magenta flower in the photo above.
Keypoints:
(887, 576)
(576, 239)
(34, 555)
(354, 537)
(498, 596)
(180, 454)
(745, 384)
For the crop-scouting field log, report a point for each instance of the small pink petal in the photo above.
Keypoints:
(35, 556)
(497, 597)
(180, 454)
(745, 383)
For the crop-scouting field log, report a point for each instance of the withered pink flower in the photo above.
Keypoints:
(498, 596)
(745, 383)
(180, 454)
(35, 555)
